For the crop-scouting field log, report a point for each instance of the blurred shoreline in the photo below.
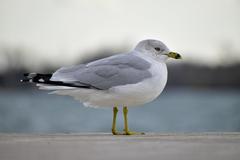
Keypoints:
(179, 75)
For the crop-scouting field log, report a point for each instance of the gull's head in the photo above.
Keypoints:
(156, 49)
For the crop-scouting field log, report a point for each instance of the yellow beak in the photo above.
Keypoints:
(174, 55)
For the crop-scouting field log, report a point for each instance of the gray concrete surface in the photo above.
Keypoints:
(104, 146)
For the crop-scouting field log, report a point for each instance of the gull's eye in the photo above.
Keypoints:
(157, 49)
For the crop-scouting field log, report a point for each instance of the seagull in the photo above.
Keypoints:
(127, 79)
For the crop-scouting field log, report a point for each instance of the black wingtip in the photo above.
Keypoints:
(36, 77)
(45, 78)
(25, 80)
(28, 77)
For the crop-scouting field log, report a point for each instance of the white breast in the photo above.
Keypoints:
(145, 91)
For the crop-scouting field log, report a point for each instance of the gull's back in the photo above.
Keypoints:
(106, 73)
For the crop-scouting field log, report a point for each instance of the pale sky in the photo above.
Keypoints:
(58, 31)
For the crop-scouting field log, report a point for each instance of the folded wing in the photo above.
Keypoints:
(106, 73)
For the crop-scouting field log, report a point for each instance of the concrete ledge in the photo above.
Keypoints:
(197, 146)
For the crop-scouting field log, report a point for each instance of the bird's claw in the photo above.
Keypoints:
(127, 133)
(133, 133)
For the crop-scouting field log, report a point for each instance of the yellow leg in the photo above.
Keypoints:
(114, 130)
(127, 132)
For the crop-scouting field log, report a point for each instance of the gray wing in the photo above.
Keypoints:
(106, 73)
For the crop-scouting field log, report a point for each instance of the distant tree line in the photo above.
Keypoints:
(203, 76)
(187, 75)
(182, 74)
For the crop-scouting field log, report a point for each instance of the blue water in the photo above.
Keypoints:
(176, 110)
